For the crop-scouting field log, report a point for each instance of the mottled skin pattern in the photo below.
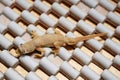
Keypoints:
(50, 40)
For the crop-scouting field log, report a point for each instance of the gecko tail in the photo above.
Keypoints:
(83, 38)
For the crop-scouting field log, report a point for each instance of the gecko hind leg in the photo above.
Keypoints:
(42, 53)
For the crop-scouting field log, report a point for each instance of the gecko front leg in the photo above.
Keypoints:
(42, 52)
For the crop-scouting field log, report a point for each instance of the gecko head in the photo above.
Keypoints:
(23, 48)
(26, 48)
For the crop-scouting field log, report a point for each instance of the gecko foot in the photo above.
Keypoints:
(55, 51)
(42, 52)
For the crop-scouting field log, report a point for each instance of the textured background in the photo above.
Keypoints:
(86, 48)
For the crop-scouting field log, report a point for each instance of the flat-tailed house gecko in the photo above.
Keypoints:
(50, 40)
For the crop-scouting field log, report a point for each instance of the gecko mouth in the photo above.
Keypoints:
(21, 49)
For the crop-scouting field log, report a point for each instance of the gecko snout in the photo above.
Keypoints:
(18, 52)
(21, 49)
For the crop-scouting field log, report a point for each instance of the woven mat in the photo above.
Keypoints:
(94, 59)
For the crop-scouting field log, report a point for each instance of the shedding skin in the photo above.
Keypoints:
(50, 40)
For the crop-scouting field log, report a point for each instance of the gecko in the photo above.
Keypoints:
(50, 40)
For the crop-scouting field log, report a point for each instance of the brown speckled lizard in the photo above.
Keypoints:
(50, 40)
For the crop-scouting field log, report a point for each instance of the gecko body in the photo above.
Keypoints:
(51, 40)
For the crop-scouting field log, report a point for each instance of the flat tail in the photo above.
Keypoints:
(83, 38)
